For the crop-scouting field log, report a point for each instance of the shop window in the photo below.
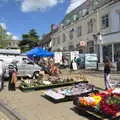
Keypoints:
(105, 21)
(107, 51)
(91, 50)
(117, 51)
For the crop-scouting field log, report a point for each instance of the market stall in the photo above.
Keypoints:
(45, 84)
(39, 52)
(103, 105)
(69, 92)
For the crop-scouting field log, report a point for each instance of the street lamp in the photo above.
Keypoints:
(100, 39)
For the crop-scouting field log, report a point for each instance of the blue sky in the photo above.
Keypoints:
(22, 15)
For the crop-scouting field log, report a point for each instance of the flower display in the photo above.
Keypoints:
(90, 101)
(110, 106)
(104, 101)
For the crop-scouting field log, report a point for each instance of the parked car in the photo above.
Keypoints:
(26, 67)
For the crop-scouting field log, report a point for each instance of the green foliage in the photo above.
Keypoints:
(3, 43)
(29, 40)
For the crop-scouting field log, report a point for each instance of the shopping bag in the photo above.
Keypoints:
(74, 65)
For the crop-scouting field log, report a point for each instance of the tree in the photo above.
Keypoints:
(33, 34)
(29, 40)
(3, 41)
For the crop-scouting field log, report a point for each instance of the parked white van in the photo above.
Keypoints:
(26, 67)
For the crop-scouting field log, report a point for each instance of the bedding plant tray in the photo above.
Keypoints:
(25, 87)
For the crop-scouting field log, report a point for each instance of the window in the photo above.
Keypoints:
(64, 37)
(105, 21)
(91, 50)
(90, 26)
(64, 48)
(117, 51)
(79, 31)
(71, 33)
(78, 46)
(14, 43)
(107, 51)
(90, 43)
(58, 40)
(90, 46)
(9, 43)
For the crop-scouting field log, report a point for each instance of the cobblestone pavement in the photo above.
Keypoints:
(33, 106)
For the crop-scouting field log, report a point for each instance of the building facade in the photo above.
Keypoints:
(12, 44)
(80, 29)
(46, 41)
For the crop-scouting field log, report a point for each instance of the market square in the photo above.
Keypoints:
(59, 59)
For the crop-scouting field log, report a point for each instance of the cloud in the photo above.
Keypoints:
(3, 25)
(35, 5)
(9, 33)
(14, 37)
(74, 4)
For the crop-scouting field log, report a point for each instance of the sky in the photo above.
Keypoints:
(22, 15)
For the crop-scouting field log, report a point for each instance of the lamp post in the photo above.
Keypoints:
(100, 39)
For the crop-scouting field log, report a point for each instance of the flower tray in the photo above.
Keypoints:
(92, 111)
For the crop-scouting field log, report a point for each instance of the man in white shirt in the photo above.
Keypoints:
(1, 74)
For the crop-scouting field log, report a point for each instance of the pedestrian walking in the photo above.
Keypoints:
(107, 71)
(12, 76)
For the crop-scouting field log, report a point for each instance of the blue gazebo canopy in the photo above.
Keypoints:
(39, 52)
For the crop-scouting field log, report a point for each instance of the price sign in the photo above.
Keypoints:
(82, 43)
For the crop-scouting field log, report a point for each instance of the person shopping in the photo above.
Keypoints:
(107, 71)
(12, 76)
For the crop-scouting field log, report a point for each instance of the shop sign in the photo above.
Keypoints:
(82, 43)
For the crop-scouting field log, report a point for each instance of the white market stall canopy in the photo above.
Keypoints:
(10, 51)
